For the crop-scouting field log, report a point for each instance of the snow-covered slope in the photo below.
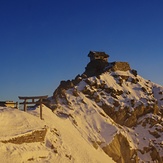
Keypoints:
(118, 111)
(115, 116)
(62, 143)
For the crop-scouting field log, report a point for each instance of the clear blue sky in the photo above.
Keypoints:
(45, 41)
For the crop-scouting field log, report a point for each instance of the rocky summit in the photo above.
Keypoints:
(122, 113)
(107, 114)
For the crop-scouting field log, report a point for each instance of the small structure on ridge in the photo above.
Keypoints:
(99, 64)
(95, 55)
(11, 104)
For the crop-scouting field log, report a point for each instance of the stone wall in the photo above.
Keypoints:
(30, 137)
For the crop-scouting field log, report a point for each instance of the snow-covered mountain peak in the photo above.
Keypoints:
(107, 114)
(115, 105)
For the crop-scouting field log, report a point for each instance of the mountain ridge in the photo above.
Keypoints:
(107, 114)
(132, 103)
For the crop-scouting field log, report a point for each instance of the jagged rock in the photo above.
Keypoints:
(132, 102)
(66, 84)
(110, 90)
(143, 89)
(139, 110)
(131, 121)
(119, 92)
(116, 103)
(160, 93)
(107, 109)
(122, 95)
(124, 77)
(155, 155)
(102, 85)
(91, 83)
(77, 79)
(120, 81)
(134, 72)
(87, 91)
(119, 149)
(121, 66)
(155, 134)
(97, 98)
(95, 67)
(84, 76)
(134, 80)
(75, 92)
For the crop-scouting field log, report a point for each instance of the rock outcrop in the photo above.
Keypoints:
(121, 66)
(133, 103)
(120, 150)
(95, 67)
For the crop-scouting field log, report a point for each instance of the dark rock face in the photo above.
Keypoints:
(65, 85)
(95, 67)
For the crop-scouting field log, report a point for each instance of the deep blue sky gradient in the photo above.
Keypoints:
(44, 42)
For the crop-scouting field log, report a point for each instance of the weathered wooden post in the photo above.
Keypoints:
(25, 105)
(17, 107)
(40, 108)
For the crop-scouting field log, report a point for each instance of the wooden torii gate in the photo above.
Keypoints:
(33, 98)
